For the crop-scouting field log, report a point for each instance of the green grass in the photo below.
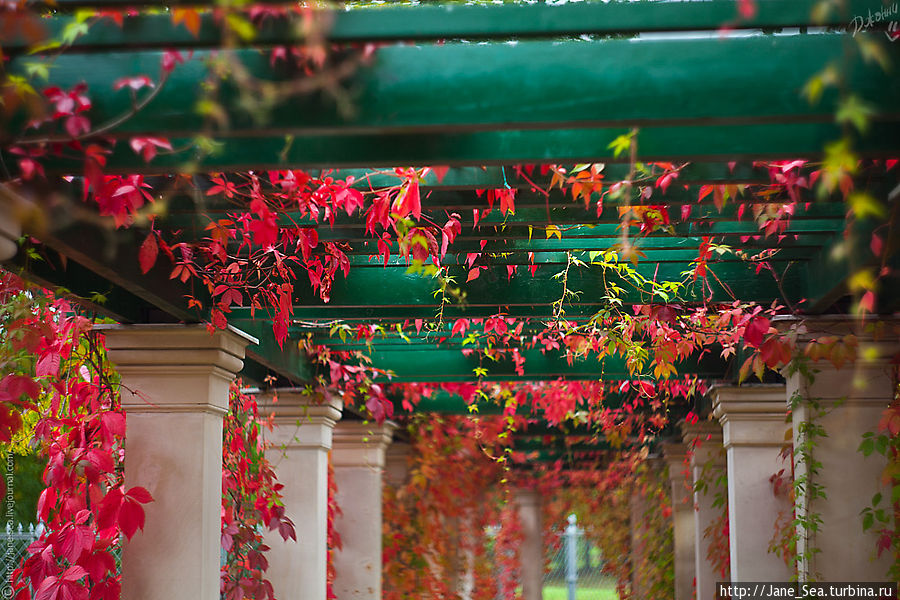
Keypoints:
(558, 592)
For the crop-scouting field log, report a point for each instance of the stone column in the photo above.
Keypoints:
(301, 441)
(753, 419)
(531, 555)
(707, 464)
(675, 455)
(10, 227)
(846, 403)
(637, 506)
(175, 382)
(396, 465)
(358, 459)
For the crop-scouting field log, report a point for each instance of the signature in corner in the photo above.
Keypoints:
(887, 15)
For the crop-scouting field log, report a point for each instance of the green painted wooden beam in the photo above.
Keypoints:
(446, 21)
(521, 258)
(725, 142)
(414, 364)
(573, 460)
(68, 278)
(559, 446)
(458, 88)
(441, 402)
(394, 294)
(534, 210)
(486, 177)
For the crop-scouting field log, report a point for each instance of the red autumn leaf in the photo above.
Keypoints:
(112, 424)
(146, 146)
(48, 365)
(408, 201)
(756, 329)
(473, 274)
(131, 518)
(135, 83)
(440, 172)
(139, 494)
(308, 239)
(460, 327)
(148, 253)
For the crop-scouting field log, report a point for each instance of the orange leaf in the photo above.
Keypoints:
(188, 16)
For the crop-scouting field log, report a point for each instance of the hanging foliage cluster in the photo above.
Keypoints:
(251, 501)
(54, 365)
(440, 529)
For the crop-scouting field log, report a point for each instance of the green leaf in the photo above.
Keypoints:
(73, 31)
(868, 521)
(621, 144)
(867, 446)
(853, 111)
(38, 70)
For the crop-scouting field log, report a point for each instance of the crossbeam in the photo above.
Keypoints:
(448, 21)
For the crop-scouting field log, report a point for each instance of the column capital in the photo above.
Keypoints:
(751, 415)
(704, 430)
(358, 444)
(396, 463)
(674, 453)
(301, 420)
(10, 223)
(527, 497)
(877, 329)
(174, 353)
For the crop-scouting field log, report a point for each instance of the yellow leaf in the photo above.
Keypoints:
(861, 280)
(553, 230)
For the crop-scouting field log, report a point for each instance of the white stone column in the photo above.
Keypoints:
(175, 382)
(707, 463)
(10, 227)
(396, 464)
(675, 455)
(852, 399)
(301, 441)
(638, 507)
(358, 458)
(531, 554)
(753, 427)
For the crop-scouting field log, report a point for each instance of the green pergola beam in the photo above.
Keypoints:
(470, 178)
(521, 259)
(476, 87)
(724, 142)
(562, 211)
(427, 22)
(442, 402)
(415, 364)
(370, 292)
